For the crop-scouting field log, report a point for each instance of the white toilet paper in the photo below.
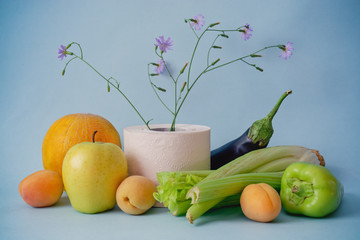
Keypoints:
(151, 151)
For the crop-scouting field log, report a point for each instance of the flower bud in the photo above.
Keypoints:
(282, 47)
(214, 24)
(260, 69)
(183, 87)
(215, 62)
(63, 72)
(218, 47)
(108, 87)
(161, 89)
(154, 74)
(183, 69)
(224, 35)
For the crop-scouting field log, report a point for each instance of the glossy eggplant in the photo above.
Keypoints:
(255, 137)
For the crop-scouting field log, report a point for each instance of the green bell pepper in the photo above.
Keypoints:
(310, 190)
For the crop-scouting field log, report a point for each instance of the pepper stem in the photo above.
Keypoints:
(300, 190)
(295, 189)
(261, 130)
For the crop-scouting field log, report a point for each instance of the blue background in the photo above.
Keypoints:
(117, 37)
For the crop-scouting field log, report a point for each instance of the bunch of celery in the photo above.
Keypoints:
(209, 189)
(173, 187)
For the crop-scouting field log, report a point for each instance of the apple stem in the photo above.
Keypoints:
(93, 138)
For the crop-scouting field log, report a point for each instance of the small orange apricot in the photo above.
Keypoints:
(42, 188)
(260, 202)
(135, 195)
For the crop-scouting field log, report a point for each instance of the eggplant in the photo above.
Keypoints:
(255, 137)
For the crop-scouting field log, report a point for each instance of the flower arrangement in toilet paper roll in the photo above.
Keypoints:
(183, 80)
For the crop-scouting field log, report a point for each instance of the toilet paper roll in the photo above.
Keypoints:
(151, 151)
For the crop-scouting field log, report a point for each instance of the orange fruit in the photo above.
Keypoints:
(71, 130)
(42, 188)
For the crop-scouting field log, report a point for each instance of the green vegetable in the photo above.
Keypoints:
(173, 186)
(273, 159)
(227, 186)
(310, 190)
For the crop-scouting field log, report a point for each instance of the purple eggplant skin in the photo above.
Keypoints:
(232, 150)
(255, 137)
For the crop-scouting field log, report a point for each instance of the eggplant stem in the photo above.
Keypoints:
(277, 105)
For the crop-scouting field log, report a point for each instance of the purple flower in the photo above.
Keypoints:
(164, 45)
(246, 32)
(161, 66)
(286, 50)
(62, 52)
(198, 22)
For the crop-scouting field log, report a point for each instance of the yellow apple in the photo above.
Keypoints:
(92, 171)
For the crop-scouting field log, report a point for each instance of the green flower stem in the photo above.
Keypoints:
(81, 51)
(162, 58)
(175, 81)
(189, 86)
(192, 58)
(158, 96)
(242, 58)
(172, 128)
(187, 93)
(208, 69)
(194, 31)
(208, 55)
(227, 30)
(67, 65)
(250, 64)
(189, 20)
(116, 87)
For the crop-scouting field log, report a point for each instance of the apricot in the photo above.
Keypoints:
(135, 195)
(260, 202)
(42, 188)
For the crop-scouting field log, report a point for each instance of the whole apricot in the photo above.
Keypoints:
(260, 202)
(135, 195)
(42, 188)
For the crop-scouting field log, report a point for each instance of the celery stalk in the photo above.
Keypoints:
(198, 209)
(260, 158)
(232, 200)
(180, 208)
(227, 186)
(173, 187)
